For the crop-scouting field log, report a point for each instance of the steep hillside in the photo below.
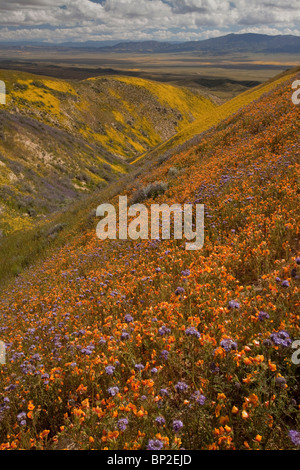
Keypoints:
(193, 133)
(142, 344)
(60, 139)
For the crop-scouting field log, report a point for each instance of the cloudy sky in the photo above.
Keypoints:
(162, 20)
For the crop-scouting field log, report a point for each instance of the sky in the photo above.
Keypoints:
(55, 21)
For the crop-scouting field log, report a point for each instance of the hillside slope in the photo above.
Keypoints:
(193, 133)
(134, 345)
(60, 139)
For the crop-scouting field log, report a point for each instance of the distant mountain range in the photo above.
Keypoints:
(231, 43)
(255, 43)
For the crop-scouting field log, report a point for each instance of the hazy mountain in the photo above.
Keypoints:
(231, 43)
(225, 44)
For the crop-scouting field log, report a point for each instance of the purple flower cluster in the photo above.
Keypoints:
(179, 290)
(191, 331)
(199, 398)
(164, 354)
(186, 272)
(228, 344)
(281, 338)
(181, 387)
(295, 437)
(122, 424)
(113, 391)
(263, 316)
(88, 350)
(155, 444)
(22, 418)
(280, 381)
(177, 425)
(160, 420)
(109, 370)
(164, 331)
(128, 318)
(125, 335)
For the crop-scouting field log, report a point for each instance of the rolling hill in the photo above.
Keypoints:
(145, 345)
(62, 139)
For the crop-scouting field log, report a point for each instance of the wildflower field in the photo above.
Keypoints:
(144, 345)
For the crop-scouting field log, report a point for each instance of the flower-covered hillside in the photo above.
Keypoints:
(143, 344)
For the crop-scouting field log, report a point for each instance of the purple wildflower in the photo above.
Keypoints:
(113, 391)
(281, 338)
(179, 290)
(128, 318)
(164, 354)
(199, 398)
(122, 424)
(21, 416)
(263, 316)
(280, 381)
(186, 272)
(160, 420)
(228, 344)
(295, 437)
(139, 366)
(233, 304)
(191, 331)
(177, 425)
(110, 370)
(181, 387)
(164, 330)
(125, 335)
(155, 444)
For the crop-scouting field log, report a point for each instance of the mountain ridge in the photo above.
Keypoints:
(226, 44)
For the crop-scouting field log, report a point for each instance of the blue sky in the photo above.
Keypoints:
(162, 20)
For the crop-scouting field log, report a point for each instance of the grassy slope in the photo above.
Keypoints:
(60, 139)
(64, 321)
(212, 118)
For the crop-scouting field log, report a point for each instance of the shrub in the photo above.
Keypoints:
(53, 231)
(152, 190)
(173, 172)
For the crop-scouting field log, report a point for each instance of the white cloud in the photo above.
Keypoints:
(59, 20)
